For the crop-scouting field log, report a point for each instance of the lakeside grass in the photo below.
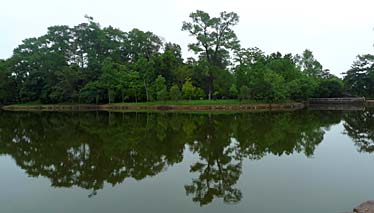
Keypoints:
(37, 104)
(156, 103)
(233, 112)
(196, 102)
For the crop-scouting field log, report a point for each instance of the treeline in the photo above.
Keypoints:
(91, 64)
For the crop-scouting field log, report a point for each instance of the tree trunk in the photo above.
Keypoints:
(109, 96)
(146, 90)
(210, 87)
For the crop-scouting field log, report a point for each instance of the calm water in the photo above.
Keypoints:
(306, 161)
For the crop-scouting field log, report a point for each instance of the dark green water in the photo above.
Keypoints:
(305, 161)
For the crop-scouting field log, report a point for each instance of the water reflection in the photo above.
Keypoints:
(360, 127)
(89, 149)
(220, 166)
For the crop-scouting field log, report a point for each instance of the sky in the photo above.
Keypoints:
(335, 30)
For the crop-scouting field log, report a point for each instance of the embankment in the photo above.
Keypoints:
(192, 108)
(370, 103)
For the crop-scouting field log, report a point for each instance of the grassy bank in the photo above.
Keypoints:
(37, 104)
(194, 105)
(154, 103)
(195, 102)
(370, 103)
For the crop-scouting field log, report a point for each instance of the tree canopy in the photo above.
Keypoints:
(359, 80)
(88, 63)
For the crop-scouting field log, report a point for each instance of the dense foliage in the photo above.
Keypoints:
(359, 80)
(88, 63)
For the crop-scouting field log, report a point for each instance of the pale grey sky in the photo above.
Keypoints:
(335, 30)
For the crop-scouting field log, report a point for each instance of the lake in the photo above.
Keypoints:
(284, 162)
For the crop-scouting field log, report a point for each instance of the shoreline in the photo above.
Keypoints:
(160, 107)
(369, 103)
(185, 107)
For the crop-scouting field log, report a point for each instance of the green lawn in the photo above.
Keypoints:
(153, 103)
(37, 103)
(193, 102)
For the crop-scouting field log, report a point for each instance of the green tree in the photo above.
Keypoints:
(283, 65)
(115, 43)
(310, 66)
(142, 44)
(244, 93)
(32, 66)
(147, 73)
(233, 91)
(249, 56)
(133, 84)
(67, 87)
(110, 78)
(270, 87)
(168, 63)
(252, 63)
(8, 85)
(215, 39)
(199, 93)
(277, 89)
(331, 88)
(182, 72)
(302, 88)
(222, 84)
(359, 80)
(89, 46)
(175, 93)
(160, 88)
(188, 89)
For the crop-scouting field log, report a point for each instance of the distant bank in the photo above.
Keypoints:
(370, 103)
(202, 105)
(158, 107)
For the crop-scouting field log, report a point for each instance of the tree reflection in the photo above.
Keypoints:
(282, 133)
(360, 127)
(224, 141)
(87, 150)
(90, 149)
(220, 165)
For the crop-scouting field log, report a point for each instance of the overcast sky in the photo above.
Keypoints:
(335, 30)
